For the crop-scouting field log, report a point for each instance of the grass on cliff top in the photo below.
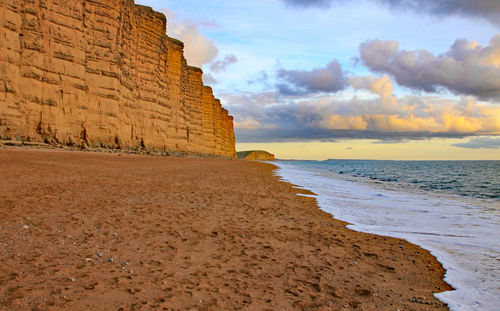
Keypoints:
(244, 154)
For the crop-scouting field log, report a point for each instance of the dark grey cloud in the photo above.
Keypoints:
(467, 68)
(485, 9)
(221, 65)
(300, 82)
(480, 142)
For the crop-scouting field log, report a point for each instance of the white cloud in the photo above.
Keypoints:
(198, 49)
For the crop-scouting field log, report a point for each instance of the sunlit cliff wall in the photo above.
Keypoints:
(103, 73)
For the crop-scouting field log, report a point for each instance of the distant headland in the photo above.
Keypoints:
(255, 155)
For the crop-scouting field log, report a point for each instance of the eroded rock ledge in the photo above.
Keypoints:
(103, 73)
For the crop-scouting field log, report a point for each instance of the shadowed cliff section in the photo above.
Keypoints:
(103, 73)
(260, 155)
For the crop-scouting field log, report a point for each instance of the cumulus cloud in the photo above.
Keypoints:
(268, 117)
(221, 65)
(480, 142)
(198, 49)
(381, 86)
(486, 9)
(299, 82)
(467, 68)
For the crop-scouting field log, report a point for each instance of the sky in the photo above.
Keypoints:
(361, 79)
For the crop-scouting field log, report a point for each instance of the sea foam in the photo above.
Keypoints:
(461, 232)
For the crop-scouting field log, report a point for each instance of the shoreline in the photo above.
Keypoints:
(457, 230)
(108, 231)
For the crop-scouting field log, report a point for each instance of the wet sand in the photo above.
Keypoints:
(95, 231)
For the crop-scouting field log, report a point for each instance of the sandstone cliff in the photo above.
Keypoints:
(103, 73)
(260, 155)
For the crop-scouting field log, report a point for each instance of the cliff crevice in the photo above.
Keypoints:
(103, 73)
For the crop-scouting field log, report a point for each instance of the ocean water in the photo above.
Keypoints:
(451, 208)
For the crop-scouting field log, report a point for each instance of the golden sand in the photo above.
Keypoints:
(95, 231)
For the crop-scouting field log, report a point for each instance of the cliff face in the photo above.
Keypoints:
(260, 155)
(103, 73)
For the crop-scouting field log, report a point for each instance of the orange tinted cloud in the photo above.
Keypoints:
(384, 117)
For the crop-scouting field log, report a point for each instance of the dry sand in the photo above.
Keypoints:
(93, 231)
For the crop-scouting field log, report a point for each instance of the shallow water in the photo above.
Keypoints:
(460, 227)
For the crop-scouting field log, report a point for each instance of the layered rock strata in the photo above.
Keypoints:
(103, 73)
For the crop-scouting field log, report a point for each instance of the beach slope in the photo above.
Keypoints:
(95, 231)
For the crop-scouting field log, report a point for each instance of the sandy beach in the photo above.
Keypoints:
(113, 231)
